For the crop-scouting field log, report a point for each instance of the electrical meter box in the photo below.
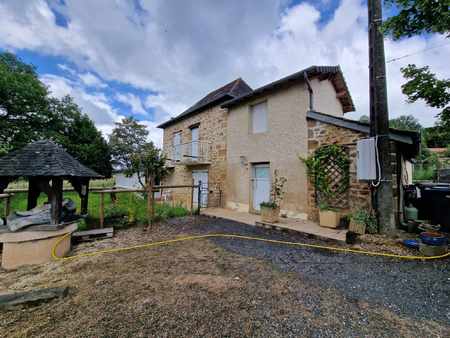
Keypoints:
(366, 161)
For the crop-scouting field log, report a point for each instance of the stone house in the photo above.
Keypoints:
(235, 138)
(195, 143)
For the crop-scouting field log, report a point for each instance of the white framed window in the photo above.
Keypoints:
(258, 117)
(176, 141)
(194, 143)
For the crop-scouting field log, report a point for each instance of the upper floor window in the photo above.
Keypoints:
(258, 113)
(176, 141)
(194, 143)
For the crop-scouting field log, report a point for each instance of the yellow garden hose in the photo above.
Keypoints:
(230, 236)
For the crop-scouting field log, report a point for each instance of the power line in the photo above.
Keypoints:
(418, 52)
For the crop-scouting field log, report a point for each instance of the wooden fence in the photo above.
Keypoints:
(150, 198)
(112, 191)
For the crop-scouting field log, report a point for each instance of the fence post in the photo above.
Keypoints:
(8, 205)
(102, 201)
(199, 197)
(150, 207)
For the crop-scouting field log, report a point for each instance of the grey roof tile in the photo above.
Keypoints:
(229, 91)
(43, 158)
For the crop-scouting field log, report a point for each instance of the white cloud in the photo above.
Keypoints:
(163, 106)
(182, 50)
(96, 105)
(133, 101)
(91, 80)
(155, 134)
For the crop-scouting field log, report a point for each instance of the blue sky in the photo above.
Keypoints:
(153, 58)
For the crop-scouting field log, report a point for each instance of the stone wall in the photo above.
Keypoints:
(212, 125)
(319, 134)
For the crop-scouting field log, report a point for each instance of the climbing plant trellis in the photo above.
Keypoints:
(329, 171)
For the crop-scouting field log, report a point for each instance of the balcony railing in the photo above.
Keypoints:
(195, 152)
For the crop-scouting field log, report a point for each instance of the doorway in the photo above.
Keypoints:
(201, 176)
(260, 185)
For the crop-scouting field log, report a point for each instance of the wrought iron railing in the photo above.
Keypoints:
(188, 153)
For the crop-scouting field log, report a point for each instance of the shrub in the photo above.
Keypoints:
(82, 225)
(165, 211)
(270, 205)
(363, 217)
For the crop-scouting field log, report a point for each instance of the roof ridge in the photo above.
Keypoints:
(236, 82)
(230, 90)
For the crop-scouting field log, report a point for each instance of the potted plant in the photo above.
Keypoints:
(362, 221)
(270, 210)
(328, 217)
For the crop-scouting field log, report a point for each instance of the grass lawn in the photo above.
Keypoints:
(128, 204)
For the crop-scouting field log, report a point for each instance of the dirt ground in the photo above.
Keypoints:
(193, 289)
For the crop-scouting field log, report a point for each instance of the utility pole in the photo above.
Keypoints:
(379, 119)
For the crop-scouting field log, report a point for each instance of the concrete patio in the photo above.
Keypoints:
(298, 225)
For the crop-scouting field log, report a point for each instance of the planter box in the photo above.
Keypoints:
(329, 219)
(270, 215)
(357, 228)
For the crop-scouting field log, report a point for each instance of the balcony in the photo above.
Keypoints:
(190, 153)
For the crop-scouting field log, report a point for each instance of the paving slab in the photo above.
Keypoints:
(292, 224)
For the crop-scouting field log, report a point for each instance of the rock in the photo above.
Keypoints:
(32, 297)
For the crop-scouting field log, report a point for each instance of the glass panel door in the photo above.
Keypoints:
(260, 185)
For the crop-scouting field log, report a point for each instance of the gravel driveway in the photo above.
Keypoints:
(412, 288)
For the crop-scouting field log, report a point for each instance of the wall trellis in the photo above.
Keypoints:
(329, 170)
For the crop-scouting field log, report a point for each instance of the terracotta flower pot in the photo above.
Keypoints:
(329, 219)
(270, 215)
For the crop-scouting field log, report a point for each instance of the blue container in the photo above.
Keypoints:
(411, 243)
(432, 238)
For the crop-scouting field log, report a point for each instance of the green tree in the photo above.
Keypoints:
(24, 113)
(80, 137)
(423, 85)
(28, 113)
(405, 122)
(127, 139)
(436, 137)
(364, 119)
(149, 163)
(417, 17)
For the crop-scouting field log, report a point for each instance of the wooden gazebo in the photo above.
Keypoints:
(46, 164)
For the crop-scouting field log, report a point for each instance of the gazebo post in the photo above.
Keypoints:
(56, 197)
(4, 181)
(81, 186)
(84, 196)
(33, 192)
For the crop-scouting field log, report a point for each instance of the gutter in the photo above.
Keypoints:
(310, 90)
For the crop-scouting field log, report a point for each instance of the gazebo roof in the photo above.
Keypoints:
(43, 158)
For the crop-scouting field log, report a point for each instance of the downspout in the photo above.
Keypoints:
(310, 90)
